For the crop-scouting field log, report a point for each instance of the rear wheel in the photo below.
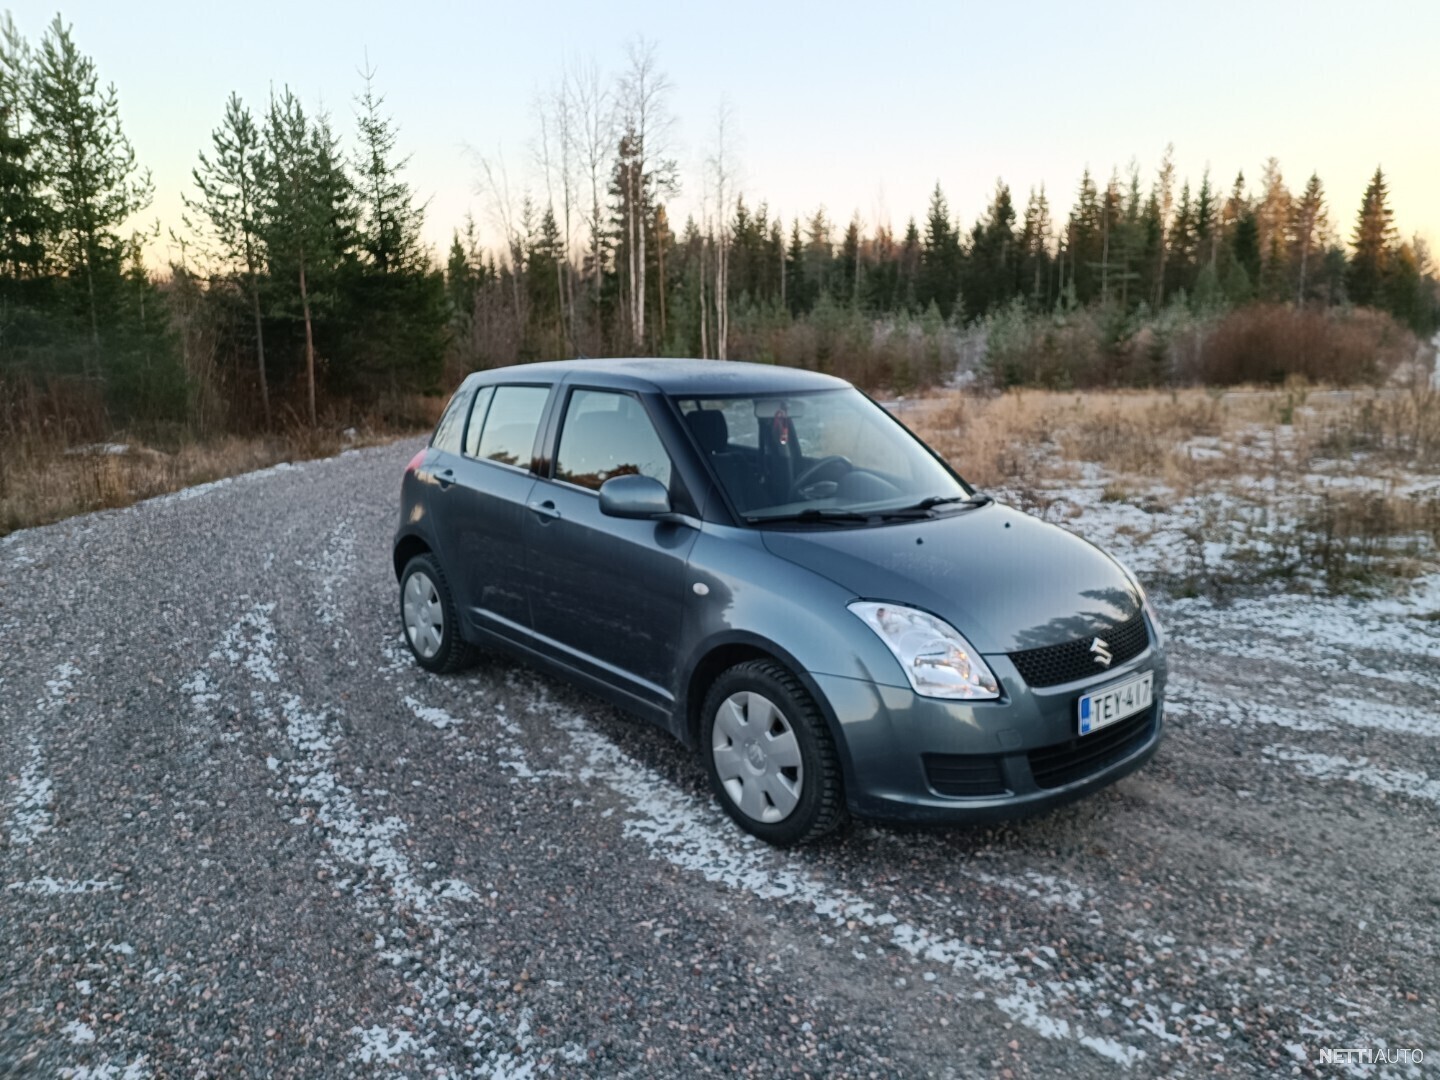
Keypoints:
(429, 619)
(770, 756)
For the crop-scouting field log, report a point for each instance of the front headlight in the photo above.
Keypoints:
(1144, 602)
(937, 660)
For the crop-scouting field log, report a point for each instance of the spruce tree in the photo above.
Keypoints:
(1308, 223)
(394, 302)
(95, 184)
(307, 212)
(23, 210)
(229, 184)
(1373, 240)
(940, 258)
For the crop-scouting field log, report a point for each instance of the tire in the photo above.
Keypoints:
(770, 755)
(429, 619)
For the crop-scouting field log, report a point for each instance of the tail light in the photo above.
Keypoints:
(416, 460)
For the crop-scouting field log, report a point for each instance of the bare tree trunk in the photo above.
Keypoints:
(704, 319)
(630, 226)
(660, 277)
(309, 343)
(640, 261)
(260, 350)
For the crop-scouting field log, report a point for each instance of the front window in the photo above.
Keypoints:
(608, 434)
(817, 454)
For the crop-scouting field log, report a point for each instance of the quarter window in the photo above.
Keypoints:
(607, 434)
(452, 423)
(509, 432)
(477, 421)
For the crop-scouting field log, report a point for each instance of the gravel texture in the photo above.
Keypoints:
(242, 834)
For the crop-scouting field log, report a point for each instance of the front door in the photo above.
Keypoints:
(607, 593)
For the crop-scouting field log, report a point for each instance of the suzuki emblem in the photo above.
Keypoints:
(1103, 655)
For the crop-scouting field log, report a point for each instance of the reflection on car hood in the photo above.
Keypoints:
(1005, 580)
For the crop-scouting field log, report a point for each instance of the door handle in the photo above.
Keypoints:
(545, 509)
(445, 477)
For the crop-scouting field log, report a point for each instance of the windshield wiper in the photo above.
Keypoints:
(814, 514)
(924, 506)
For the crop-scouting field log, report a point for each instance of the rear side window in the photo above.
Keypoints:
(477, 421)
(605, 435)
(452, 424)
(510, 425)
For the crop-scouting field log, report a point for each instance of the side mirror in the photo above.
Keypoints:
(634, 496)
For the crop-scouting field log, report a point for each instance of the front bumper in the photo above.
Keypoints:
(1020, 754)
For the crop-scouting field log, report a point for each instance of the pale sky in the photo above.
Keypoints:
(856, 106)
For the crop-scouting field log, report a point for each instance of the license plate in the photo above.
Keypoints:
(1104, 707)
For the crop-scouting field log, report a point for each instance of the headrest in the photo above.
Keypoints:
(711, 431)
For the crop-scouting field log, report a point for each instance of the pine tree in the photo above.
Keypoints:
(229, 201)
(1373, 240)
(94, 181)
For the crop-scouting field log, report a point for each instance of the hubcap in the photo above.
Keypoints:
(424, 614)
(757, 757)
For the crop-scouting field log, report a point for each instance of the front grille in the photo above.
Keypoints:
(1052, 665)
(964, 775)
(1064, 763)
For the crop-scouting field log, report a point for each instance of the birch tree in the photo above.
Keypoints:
(721, 181)
(645, 123)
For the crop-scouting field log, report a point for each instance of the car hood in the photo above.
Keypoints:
(1004, 579)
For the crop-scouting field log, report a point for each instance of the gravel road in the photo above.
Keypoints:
(241, 834)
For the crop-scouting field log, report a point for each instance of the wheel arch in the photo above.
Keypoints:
(406, 548)
(720, 655)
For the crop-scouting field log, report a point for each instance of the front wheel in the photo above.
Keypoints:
(429, 619)
(770, 756)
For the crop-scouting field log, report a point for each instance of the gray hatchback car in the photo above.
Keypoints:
(766, 563)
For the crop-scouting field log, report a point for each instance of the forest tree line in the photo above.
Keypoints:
(302, 287)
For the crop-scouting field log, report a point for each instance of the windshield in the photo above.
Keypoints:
(825, 454)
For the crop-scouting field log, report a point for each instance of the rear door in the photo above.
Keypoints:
(492, 482)
(607, 593)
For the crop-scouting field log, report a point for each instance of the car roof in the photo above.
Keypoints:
(670, 375)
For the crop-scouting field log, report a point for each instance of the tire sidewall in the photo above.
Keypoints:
(447, 655)
(802, 716)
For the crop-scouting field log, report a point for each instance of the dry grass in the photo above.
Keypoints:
(46, 476)
(1304, 484)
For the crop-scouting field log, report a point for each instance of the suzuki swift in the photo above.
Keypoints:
(769, 565)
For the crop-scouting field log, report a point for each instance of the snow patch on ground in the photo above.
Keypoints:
(438, 718)
(49, 886)
(31, 815)
(694, 837)
(363, 852)
(1412, 785)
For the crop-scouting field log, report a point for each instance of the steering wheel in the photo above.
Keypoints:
(808, 480)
